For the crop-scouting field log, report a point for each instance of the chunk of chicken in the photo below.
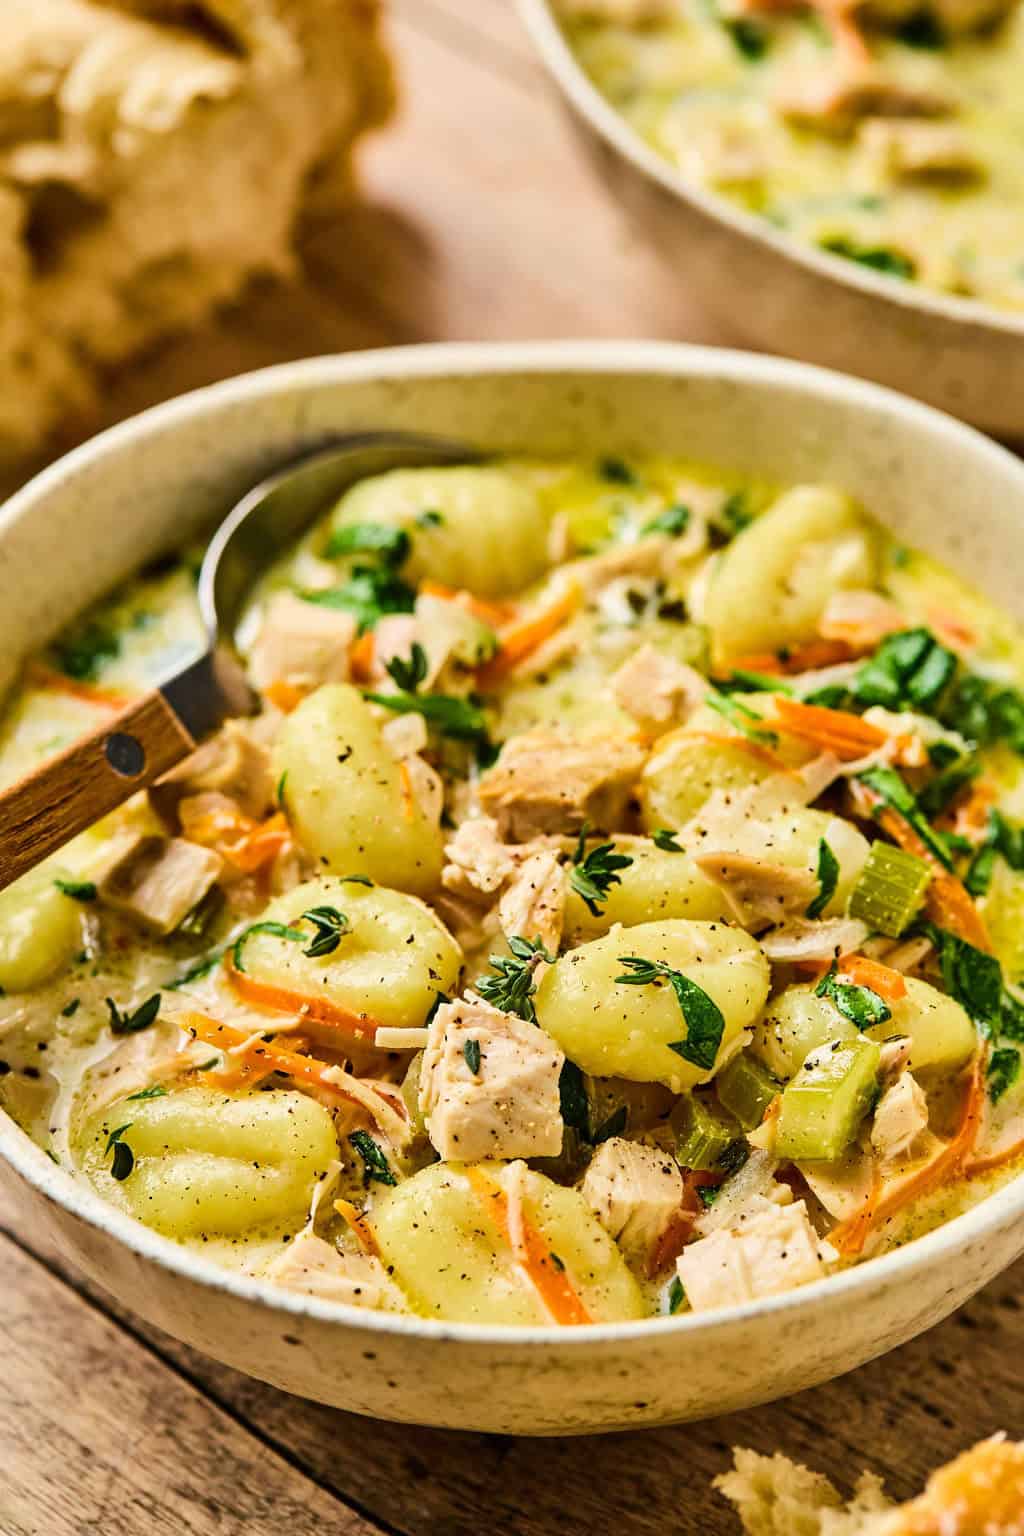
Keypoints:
(154, 1055)
(478, 862)
(825, 941)
(760, 892)
(302, 643)
(635, 1192)
(314, 1267)
(905, 150)
(546, 781)
(156, 880)
(533, 904)
(504, 1104)
(235, 762)
(901, 1116)
(771, 1250)
(860, 617)
(657, 690)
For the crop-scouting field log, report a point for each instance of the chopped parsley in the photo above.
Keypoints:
(78, 890)
(408, 674)
(676, 1295)
(971, 976)
(1002, 840)
(705, 1024)
(82, 652)
(593, 874)
(909, 670)
(125, 1023)
(471, 1051)
(953, 777)
(392, 544)
(880, 258)
(860, 1005)
(985, 712)
(375, 1164)
(511, 986)
(888, 784)
(123, 1156)
(828, 876)
(1003, 1071)
(459, 718)
(156, 1091)
(368, 595)
(666, 841)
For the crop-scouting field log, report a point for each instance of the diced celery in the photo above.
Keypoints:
(823, 1106)
(410, 1094)
(745, 1088)
(704, 1134)
(890, 890)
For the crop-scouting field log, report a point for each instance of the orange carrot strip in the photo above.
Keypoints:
(980, 1165)
(835, 730)
(90, 693)
(952, 629)
(880, 978)
(360, 657)
(947, 901)
(491, 613)
(849, 1236)
(352, 1027)
(521, 641)
(809, 657)
(365, 1234)
(245, 843)
(553, 1286)
(283, 695)
(260, 1058)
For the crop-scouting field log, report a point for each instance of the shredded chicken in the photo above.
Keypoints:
(799, 940)
(635, 1192)
(235, 762)
(760, 892)
(314, 1267)
(860, 617)
(547, 781)
(901, 1116)
(156, 880)
(302, 643)
(771, 1249)
(489, 1085)
(657, 690)
(478, 861)
(158, 1054)
(533, 903)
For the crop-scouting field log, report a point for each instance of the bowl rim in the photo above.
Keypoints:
(994, 1212)
(541, 24)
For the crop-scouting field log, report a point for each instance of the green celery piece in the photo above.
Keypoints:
(890, 890)
(746, 1088)
(824, 1104)
(704, 1135)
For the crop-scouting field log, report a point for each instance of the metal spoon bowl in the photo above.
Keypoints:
(72, 790)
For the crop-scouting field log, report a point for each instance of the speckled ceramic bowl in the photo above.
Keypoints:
(151, 483)
(966, 357)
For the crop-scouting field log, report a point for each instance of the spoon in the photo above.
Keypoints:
(72, 790)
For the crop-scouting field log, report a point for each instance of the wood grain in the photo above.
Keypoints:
(478, 219)
(73, 790)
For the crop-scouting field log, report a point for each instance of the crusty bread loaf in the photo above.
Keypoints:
(980, 1493)
(153, 155)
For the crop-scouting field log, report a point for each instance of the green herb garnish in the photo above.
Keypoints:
(860, 1005)
(275, 930)
(330, 927)
(471, 1051)
(676, 1295)
(739, 716)
(573, 1101)
(887, 783)
(82, 652)
(369, 594)
(971, 976)
(431, 518)
(455, 717)
(124, 1023)
(705, 1024)
(674, 520)
(408, 674)
(511, 987)
(392, 544)
(593, 874)
(909, 670)
(1003, 1071)
(157, 1091)
(78, 890)
(828, 876)
(375, 1164)
(617, 471)
(124, 1157)
(666, 841)
(880, 258)
(71, 1008)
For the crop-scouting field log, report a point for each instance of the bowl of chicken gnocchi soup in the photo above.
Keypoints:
(593, 971)
(835, 179)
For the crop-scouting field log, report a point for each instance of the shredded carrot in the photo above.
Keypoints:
(254, 1059)
(810, 657)
(849, 1236)
(947, 901)
(520, 641)
(90, 693)
(834, 730)
(882, 979)
(553, 1285)
(360, 657)
(349, 1026)
(968, 815)
(952, 629)
(365, 1234)
(283, 695)
(243, 842)
(981, 1165)
(491, 613)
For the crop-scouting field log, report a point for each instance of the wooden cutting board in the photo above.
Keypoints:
(479, 220)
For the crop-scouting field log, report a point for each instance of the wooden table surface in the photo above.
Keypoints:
(478, 221)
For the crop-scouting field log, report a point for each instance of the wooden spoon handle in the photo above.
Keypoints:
(45, 809)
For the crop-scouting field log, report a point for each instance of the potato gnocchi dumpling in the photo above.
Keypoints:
(622, 849)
